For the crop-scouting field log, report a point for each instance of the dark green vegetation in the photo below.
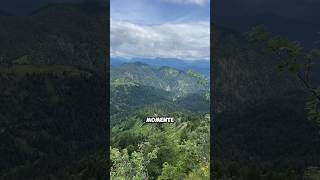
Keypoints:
(265, 120)
(65, 34)
(159, 151)
(178, 83)
(53, 123)
(53, 94)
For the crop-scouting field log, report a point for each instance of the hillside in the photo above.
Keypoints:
(137, 85)
(139, 91)
(52, 120)
(261, 125)
(63, 34)
(245, 72)
(53, 101)
(126, 99)
(177, 82)
(199, 66)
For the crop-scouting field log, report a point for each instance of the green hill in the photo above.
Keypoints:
(261, 124)
(65, 34)
(52, 122)
(159, 151)
(177, 82)
(53, 108)
(136, 85)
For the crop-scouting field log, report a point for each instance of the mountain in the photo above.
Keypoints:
(259, 115)
(172, 80)
(245, 73)
(127, 98)
(139, 91)
(66, 34)
(200, 66)
(51, 118)
(53, 109)
(137, 87)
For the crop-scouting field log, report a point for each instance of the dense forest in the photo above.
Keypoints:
(47, 123)
(53, 110)
(266, 104)
(265, 120)
(159, 151)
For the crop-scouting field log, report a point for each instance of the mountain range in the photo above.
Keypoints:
(54, 123)
(138, 85)
(200, 66)
(53, 110)
(166, 78)
(138, 91)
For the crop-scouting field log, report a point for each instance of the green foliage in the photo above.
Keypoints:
(57, 34)
(313, 106)
(170, 151)
(260, 114)
(52, 93)
(201, 79)
(289, 53)
(180, 148)
(176, 82)
(51, 121)
(295, 60)
(312, 173)
(171, 172)
(133, 167)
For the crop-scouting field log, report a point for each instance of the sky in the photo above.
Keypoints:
(155, 15)
(177, 29)
(24, 7)
(306, 10)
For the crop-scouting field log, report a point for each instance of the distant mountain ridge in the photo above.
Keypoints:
(136, 86)
(200, 66)
(169, 79)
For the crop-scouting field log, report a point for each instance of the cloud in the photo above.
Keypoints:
(197, 2)
(183, 41)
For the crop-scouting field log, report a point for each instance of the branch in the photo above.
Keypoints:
(307, 73)
(305, 81)
(307, 85)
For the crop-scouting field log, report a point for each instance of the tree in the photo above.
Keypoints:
(295, 60)
(133, 167)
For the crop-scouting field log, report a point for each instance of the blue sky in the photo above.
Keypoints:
(160, 28)
(160, 11)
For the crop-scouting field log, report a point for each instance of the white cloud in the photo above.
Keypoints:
(197, 2)
(183, 41)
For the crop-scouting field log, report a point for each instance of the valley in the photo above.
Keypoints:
(149, 91)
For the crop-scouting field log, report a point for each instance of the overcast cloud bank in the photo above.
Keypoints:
(182, 41)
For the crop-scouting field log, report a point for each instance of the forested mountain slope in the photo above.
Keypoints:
(178, 150)
(53, 106)
(66, 34)
(137, 85)
(169, 79)
(261, 125)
